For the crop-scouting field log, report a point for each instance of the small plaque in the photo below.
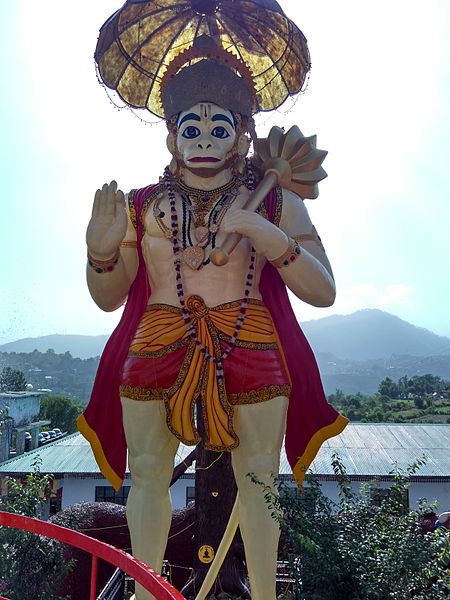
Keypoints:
(206, 554)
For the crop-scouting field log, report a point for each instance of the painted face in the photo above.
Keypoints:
(206, 135)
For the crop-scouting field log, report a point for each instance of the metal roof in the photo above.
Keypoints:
(365, 449)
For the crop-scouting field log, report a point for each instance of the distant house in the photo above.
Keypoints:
(368, 451)
(22, 409)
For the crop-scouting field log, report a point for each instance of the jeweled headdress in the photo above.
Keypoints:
(218, 76)
(147, 47)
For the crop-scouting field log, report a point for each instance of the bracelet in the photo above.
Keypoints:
(103, 266)
(292, 253)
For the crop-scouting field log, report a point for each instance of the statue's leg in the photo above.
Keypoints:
(260, 428)
(151, 453)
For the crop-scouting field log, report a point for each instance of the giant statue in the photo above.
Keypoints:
(204, 338)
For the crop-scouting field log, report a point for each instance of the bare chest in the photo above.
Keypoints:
(197, 228)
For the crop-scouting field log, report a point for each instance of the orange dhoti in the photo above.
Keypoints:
(164, 363)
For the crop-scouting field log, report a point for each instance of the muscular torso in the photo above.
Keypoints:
(214, 284)
(310, 278)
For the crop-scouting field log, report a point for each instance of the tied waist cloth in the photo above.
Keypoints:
(165, 363)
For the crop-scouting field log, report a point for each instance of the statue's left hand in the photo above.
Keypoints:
(267, 239)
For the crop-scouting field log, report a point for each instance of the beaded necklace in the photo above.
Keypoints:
(168, 183)
(194, 253)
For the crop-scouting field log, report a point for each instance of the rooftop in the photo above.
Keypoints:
(365, 449)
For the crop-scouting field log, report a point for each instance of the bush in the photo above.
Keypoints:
(356, 551)
(31, 566)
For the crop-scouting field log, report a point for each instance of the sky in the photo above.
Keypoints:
(378, 99)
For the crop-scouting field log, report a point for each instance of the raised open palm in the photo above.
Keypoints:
(108, 224)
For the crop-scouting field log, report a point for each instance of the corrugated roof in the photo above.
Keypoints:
(365, 449)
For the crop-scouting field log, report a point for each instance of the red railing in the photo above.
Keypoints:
(149, 579)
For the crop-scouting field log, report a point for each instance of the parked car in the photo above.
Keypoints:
(57, 430)
(52, 433)
(45, 436)
(27, 437)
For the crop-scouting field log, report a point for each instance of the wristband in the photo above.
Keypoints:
(103, 266)
(292, 253)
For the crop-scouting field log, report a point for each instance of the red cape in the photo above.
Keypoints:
(310, 421)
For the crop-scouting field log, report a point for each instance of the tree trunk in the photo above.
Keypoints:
(215, 493)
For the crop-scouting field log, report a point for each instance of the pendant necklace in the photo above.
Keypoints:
(196, 204)
(191, 328)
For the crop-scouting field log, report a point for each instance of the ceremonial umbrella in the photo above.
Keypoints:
(139, 41)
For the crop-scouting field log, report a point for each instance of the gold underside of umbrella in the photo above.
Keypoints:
(137, 44)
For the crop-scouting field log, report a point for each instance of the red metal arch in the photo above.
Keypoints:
(149, 579)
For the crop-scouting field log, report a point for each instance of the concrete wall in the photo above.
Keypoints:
(23, 406)
(439, 492)
(430, 491)
(5, 440)
(83, 490)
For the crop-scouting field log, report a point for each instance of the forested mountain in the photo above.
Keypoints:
(355, 352)
(372, 334)
(80, 346)
(60, 373)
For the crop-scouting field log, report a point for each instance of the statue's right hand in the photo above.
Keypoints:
(108, 224)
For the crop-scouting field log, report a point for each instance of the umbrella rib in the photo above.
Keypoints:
(161, 62)
(131, 60)
(274, 62)
(222, 24)
(292, 29)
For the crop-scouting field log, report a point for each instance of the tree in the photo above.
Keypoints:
(364, 552)
(388, 388)
(31, 566)
(12, 380)
(61, 411)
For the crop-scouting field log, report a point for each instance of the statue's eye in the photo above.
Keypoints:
(220, 132)
(191, 132)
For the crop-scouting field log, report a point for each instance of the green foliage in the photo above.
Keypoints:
(416, 386)
(354, 550)
(61, 411)
(70, 376)
(31, 566)
(12, 380)
(418, 399)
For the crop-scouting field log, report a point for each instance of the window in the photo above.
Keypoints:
(190, 494)
(106, 493)
(305, 498)
(378, 495)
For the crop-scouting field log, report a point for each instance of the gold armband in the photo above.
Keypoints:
(309, 237)
(292, 253)
(128, 244)
(103, 266)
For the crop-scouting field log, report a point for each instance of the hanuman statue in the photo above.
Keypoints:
(198, 340)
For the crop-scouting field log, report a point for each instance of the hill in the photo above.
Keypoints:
(80, 346)
(372, 334)
(355, 352)
(61, 373)
(368, 334)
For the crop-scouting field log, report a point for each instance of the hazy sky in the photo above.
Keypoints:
(378, 99)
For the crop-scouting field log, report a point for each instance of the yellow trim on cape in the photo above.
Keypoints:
(106, 469)
(313, 447)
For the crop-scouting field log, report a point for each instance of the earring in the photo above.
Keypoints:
(238, 166)
(174, 167)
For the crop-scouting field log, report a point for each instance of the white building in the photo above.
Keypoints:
(368, 451)
(22, 409)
